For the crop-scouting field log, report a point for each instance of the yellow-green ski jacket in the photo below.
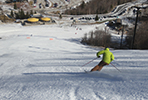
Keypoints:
(107, 55)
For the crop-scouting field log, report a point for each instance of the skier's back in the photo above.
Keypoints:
(107, 58)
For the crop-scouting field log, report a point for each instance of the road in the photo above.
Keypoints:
(118, 11)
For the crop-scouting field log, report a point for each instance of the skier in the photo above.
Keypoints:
(107, 58)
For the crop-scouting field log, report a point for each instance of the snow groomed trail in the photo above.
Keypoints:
(45, 63)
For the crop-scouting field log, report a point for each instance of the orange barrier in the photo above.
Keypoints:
(28, 37)
(51, 39)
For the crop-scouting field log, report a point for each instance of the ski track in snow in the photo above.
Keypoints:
(41, 68)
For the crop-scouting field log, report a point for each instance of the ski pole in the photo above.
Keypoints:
(89, 62)
(115, 67)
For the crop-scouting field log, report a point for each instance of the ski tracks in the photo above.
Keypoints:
(76, 92)
(73, 93)
(16, 87)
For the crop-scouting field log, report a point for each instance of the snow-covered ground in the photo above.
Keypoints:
(45, 63)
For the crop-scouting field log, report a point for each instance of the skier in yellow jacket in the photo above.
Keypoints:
(107, 58)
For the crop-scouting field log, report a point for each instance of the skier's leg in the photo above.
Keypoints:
(95, 68)
(101, 65)
(98, 67)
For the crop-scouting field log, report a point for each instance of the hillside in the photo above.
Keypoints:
(45, 62)
(96, 7)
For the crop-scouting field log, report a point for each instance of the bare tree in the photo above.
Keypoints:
(96, 7)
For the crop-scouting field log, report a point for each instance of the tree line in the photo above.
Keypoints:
(96, 7)
(21, 14)
(103, 38)
(141, 37)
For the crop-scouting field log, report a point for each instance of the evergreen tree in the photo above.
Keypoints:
(15, 6)
(22, 14)
(96, 18)
(60, 16)
(16, 15)
(27, 15)
(12, 14)
(19, 14)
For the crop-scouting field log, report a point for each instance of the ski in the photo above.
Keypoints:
(86, 71)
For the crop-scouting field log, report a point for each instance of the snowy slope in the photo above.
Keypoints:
(45, 63)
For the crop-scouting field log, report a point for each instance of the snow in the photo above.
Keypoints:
(45, 63)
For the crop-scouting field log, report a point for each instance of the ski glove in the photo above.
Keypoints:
(99, 56)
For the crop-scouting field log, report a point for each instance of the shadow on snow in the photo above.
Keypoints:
(91, 75)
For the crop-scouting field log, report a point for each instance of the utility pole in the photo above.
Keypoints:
(135, 27)
(122, 37)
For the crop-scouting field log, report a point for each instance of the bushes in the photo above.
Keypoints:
(96, 7)
(97, 38)
(101, 38)
(5, 19)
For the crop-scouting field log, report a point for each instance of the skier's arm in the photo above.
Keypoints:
(112, 57)
(99, 53)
